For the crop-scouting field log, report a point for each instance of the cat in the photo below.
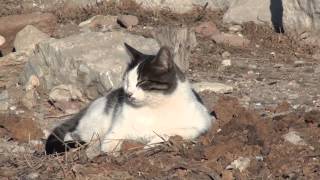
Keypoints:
(154, 102)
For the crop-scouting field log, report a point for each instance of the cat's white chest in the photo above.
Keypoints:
(176, 117)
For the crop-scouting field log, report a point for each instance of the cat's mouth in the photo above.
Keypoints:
(132, 100)
(135, 102)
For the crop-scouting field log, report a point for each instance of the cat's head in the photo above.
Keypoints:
(149, 78)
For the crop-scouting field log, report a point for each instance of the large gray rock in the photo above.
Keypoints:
(182, 6)
(93, 62)
(177, 6)
(241, 11)
(297, 15)
(181, 40)
(10, 25)
(28, 37)
(55, 4)
(301, 15)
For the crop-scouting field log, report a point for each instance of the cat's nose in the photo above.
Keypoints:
(129, 94)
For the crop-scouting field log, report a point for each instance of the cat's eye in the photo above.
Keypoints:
(142, 83)
(152, 85)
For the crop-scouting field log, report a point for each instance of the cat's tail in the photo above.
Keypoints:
(55, 142)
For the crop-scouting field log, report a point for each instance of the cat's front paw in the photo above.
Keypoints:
(111, 147)
(155, 142)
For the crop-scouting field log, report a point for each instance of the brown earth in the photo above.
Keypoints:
(273, 95)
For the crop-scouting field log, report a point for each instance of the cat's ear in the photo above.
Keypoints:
(163, 59)
(134, 54)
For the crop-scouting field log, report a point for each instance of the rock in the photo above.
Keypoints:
(241, 11)
(51, 5)
(294, 138)
(180, 40)
(235, 28)
(64, 30)
(65, 93)
(7, 148)
(230, 39)
(212, 86)
(93, 62)
(207, 29)
(128, 21)
(299, 63)
(316, 56)
(225, 54)
(227, 175)
(32, 83)
(4, 100)
(33, 175)
(2, 40)
(252, 66)
(28, 37)
(226, 62)
(100, 23)
(295, 15)
(300, 15)
(13, 108)
(317, 69)
(10, 25)
(182, 6)
(23, 129)
(241, 163)
(284, 106)
(68, 107)
(30, 98)
(278, 65)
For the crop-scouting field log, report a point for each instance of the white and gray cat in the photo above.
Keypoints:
(155, 101)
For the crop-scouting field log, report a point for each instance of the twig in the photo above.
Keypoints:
(60, 116)
(63, 170)
(164, 140)
(278, 114)
(202, 13)
(29, 164)
(313, 155)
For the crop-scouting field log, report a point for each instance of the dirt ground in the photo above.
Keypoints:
(276, 92)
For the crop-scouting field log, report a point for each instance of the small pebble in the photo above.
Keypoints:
(259, 158)
(128, 20)
(225, 55)
(298, 63)
(33, 175)
(235, 28)
(250, 72)
(241, 163)
(226, 62)
(12, 108)
(294, 138)
(252, 66)
(278, 65)
(2, 40)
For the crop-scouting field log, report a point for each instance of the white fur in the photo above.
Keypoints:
(131, 79)
(95, 123)
(162, 115)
